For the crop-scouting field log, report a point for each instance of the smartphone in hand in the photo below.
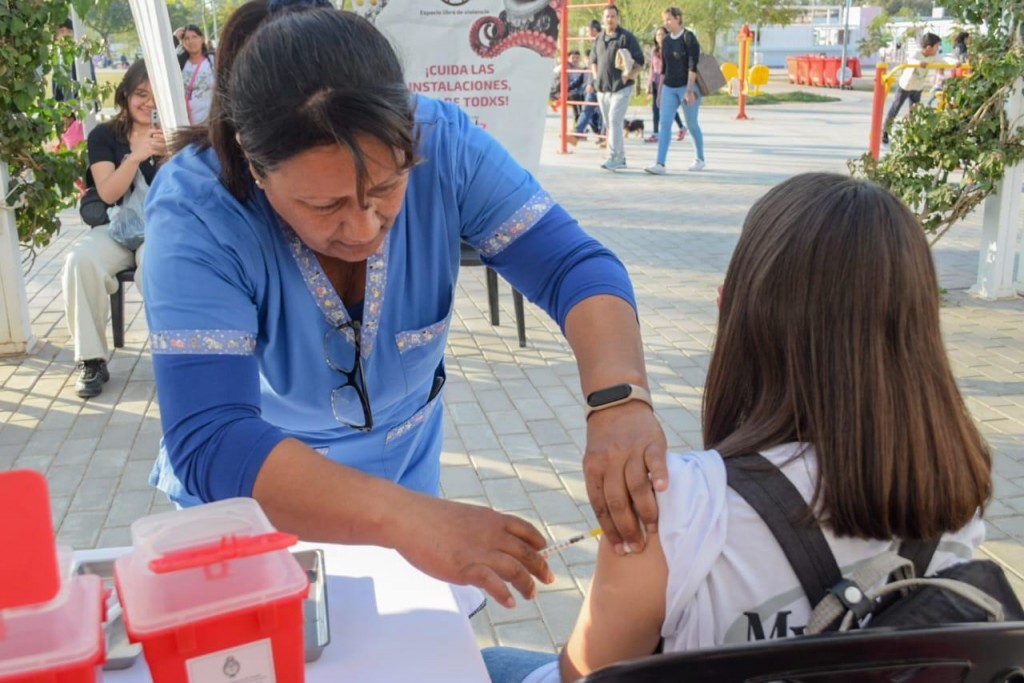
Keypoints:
(154, 118)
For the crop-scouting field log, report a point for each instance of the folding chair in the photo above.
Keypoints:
(967, 653)
(117, 306)
(470, 257)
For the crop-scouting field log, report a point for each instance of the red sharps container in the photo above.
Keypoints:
(213, 593)
(51, 622)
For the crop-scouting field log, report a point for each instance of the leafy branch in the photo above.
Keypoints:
(42, 177)
(945, 162)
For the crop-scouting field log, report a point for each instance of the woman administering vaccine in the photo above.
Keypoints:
(309, 246)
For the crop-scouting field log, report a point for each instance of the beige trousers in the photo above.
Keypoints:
(88, 281)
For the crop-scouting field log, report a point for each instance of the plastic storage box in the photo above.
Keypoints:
(212, 593)
(51, 622)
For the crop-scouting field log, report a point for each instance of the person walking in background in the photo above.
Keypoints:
(654, 90)
(615, 61)
(197, 71)
(913, 81)
(680, 53)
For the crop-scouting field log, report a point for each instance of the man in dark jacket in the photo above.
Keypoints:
(615, 61)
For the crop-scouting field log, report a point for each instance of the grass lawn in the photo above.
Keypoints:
(723, 100)
(767, 98)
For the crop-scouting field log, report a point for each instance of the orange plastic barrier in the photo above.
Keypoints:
(791, 69)
(817, 70)
(803, 70)
(830, 68)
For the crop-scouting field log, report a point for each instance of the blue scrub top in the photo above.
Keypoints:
(238, 309)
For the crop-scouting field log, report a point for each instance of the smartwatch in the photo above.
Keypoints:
(616, 395)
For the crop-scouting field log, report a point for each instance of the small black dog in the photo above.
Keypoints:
(633, 127)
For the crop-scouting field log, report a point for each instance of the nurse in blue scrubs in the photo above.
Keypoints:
(305, 248)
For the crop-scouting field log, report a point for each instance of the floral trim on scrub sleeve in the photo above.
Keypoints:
(517, 224)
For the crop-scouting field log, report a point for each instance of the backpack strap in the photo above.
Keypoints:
(920, 553)
(780, 505)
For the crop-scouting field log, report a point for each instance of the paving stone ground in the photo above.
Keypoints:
(514, 421)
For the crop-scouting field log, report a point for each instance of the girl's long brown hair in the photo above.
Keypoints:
(829, 334)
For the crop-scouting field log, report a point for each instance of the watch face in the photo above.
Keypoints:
(609, 395)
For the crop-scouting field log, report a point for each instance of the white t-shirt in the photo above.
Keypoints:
(917, 78)
(728, 580)
(200, 96)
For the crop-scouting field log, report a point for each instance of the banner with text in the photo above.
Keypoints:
(494, 58)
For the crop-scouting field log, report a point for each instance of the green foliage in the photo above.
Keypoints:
(42, 180)
(944, 164)
(709, 18)
(108, 18)
(879, 35)
(914, 7)
(720, 100)
(761, 13)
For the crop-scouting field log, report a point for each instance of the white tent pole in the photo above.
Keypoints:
(1001, 222)
(82, 69)
(15, 325)
(154, 28)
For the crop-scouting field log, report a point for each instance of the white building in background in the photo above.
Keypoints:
(818, 29)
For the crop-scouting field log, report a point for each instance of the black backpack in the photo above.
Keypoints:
(974, 591)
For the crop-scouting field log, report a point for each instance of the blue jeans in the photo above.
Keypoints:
(656, 111)
(671, 100)
(512, 665)
(590, 116)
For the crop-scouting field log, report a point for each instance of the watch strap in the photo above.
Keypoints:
(625, 392)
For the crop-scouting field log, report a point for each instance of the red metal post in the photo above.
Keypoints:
(564, 91)
(745, 36)
(877, 105)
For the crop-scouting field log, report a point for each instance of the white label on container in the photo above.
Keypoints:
(252, 663)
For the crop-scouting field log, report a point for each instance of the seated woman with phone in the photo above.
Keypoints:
(123, 157)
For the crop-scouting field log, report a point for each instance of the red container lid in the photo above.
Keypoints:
(204, 562)
(26, 533)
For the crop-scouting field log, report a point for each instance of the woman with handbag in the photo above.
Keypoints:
(680, 53)
(123, 157)
(196, 62)
(654, 89)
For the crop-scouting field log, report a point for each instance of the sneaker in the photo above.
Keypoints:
(602, 143)
(697, 165)
(94, 374)
(614, 164)
(681, 135)
(656, 169)
(653, 137)
(572, 139)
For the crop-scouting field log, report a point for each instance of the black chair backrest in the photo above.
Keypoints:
(967, 653)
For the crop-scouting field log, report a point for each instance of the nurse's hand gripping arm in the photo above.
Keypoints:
(304, 493)
(624, 442)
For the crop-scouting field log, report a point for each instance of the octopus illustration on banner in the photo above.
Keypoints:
(532, 24)
(370, 8)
